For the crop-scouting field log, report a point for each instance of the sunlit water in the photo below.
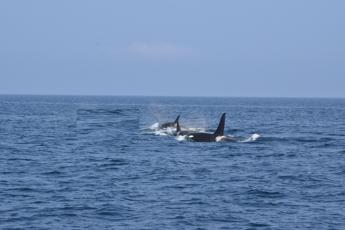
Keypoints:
(98, 163)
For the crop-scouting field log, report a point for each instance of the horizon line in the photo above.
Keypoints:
(188, 96)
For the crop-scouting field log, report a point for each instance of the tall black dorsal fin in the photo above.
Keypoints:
(177, 118)
(178, 128)
(220, 129)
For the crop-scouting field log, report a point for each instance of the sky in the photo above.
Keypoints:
(243, 48)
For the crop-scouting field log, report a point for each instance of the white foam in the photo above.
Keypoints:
(194, 129)
(160, 133)
(255, 136)
(170, 130)
(181, 138)
(225, 138)
(154, 126)
(252, 138)
(220, 138)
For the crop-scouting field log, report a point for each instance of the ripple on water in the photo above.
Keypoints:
(85, 163)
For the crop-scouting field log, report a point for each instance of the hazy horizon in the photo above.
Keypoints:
(291, 49)
(176, 96)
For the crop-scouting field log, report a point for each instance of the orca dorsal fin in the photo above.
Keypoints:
(178, 128)
(177, 118)
(220, 129)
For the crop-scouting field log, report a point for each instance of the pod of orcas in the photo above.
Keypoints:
(197, 136)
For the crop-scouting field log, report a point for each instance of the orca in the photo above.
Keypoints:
(179, 132)
(207, 137)
(170, 124)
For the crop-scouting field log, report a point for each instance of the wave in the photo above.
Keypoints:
(299, 139)
(99, 111)
(154, 126)
(181, 138)
(105, 111)
(252, 138)
(263, 193)
(229, 138)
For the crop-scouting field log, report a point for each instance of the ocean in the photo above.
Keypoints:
(87, 162)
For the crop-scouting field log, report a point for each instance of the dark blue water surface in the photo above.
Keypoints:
(88, 162)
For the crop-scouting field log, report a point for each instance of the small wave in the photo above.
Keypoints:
(54, 172)
(235, 130)
(119, 161)
(156, 130)
(160, 133)
(230, 138)
(114, 162)
(318, 141)
(99, 111)
(193, 129)
(154, 126)
(259, 225)
(252, 138)
(170, 131)
(23, 189)
(199, 171)
(266, 193)
(227, 138)
(181, 138)
(151, 128)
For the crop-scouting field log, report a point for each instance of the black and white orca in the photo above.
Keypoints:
(205, 137)
(179, 132)
(169, 124)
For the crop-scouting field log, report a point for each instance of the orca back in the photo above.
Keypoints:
(170, 124)
(202, 137)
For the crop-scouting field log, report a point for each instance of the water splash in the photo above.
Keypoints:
(154, 126)
(252, 138)
(181, 138)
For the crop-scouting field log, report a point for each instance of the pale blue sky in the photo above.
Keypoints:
(292, 48)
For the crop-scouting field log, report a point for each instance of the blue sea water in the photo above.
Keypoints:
(70, 162)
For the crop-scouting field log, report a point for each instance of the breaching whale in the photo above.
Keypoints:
(170, 124)
(205, 137)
